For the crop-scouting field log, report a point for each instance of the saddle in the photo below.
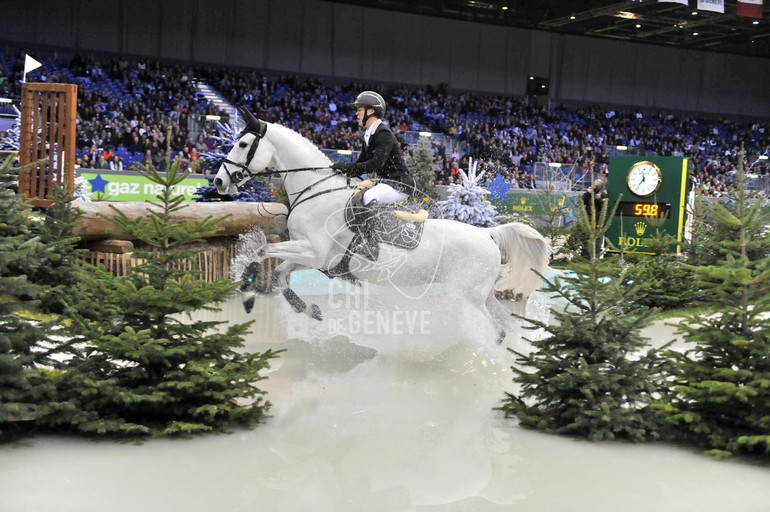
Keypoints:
(398, 225)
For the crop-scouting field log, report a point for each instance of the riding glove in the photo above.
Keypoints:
(342, 166)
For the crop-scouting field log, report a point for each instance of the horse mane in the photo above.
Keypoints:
(305, 142)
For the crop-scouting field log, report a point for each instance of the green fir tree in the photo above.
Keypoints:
(59, 274)
(720, 396)
(144, 367)
(421, 166)
(593, 375)
(663, 278)
(24, 331)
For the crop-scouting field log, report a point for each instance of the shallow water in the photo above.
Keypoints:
(353, 430)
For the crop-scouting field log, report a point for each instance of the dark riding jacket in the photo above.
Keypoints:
(382, 156)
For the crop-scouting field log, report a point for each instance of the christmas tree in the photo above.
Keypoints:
(252, 191)
(593, 375)
(59, 273)
(24, 332)
(421, 166)
(467, 201)
(721, 391)
(143, 367)
(663, 278)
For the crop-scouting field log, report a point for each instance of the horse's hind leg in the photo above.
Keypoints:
(502, 317)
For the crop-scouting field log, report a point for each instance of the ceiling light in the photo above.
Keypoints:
(755, 22)
(626, 15)
(505, 7)
(695, 13)
(638, 26)
(695, 33)
(572, 17)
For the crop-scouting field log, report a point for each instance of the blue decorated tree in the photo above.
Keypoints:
(467, 202)
(253, 190)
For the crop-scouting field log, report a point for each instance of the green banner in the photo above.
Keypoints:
(556, 206)
(107, 185)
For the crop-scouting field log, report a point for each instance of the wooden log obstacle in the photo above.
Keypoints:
(110, 246)
(241, 217)
(48, 134)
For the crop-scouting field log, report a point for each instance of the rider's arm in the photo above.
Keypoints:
(380, 146)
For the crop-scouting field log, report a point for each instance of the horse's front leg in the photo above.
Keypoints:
(282, 276)
(296, 254)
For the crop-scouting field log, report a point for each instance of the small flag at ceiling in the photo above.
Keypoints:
(712, 5)
(749, 8)
(30, 64)
(673, 1)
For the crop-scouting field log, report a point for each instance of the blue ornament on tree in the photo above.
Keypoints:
(498, 188)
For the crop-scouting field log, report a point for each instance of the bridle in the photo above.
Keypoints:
(243, 172)
(243, 169)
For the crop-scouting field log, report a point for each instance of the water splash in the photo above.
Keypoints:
(247, 250)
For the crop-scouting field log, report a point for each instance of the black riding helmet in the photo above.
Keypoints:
(373, 100)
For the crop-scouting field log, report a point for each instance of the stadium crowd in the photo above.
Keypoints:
(131, 110)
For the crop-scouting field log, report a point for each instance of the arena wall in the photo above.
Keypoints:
(349, 42)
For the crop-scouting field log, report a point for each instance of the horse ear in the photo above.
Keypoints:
(252, 123)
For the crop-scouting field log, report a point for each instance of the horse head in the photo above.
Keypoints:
(250, 155)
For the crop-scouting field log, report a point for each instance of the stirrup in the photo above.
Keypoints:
(415, 218)
(362, 246)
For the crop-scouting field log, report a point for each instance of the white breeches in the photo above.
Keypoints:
(383, 193)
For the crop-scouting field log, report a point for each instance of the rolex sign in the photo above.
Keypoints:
(650, 194)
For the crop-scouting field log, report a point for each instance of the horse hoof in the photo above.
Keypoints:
(315, 312)
(248, 304)
(250, 275)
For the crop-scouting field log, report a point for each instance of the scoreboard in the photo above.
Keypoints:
(646, 187)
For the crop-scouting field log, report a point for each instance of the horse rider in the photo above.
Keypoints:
(380, 159)
(380, 154)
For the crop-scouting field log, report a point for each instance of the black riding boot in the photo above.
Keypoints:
(364, 242)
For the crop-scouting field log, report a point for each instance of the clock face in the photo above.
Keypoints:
(644, 178)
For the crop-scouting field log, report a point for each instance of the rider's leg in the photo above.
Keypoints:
(363, 243)
(383, 193)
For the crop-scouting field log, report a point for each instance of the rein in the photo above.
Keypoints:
(298, 200)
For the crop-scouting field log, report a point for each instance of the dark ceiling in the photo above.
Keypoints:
(644, 21)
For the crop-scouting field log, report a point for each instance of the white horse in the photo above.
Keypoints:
(465, 259)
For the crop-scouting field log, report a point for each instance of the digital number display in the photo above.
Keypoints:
(629, 209)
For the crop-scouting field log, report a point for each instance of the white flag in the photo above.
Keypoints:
(674, 1)
(29, 65)
(712, 5)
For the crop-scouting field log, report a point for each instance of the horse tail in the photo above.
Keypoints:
(524, 253)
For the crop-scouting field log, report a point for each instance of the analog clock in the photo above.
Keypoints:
(644, 178)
